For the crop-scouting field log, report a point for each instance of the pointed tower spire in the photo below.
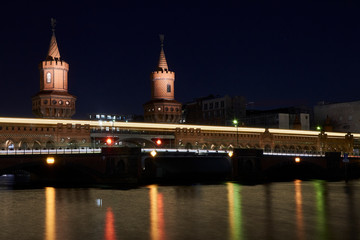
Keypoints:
(53, 52)
(162, 60)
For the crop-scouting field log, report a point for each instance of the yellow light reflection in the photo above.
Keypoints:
(299, 210)
(110, 233)
(157, 231)
(50, 227)
(235, 212)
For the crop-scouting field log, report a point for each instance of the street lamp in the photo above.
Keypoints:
(235, 122)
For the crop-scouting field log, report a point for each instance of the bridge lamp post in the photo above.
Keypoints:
(236, 124)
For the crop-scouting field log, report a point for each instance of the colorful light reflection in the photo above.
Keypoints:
(157, 224)
(50, 227)
(299, 210)
(320, 209)
(235, 211)
(110, 233)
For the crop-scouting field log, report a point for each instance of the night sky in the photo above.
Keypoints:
(274, 55)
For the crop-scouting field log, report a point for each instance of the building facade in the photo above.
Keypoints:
(215, 110)
(284, 118)
(53, 99)
(342, 117)
(162, 108)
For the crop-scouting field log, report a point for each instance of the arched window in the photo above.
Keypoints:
(168, 87)
(48, 77)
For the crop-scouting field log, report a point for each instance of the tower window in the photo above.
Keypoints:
(48, 77)
(168, 88)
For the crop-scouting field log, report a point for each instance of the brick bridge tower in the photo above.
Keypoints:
(53, 99)
(162, 108)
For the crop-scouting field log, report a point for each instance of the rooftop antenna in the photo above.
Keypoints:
(53, 25)
(161, 36)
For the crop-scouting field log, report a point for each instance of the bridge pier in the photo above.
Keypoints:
(246, 165)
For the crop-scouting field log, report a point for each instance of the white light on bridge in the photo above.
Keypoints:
(153, 153)
(230, 153)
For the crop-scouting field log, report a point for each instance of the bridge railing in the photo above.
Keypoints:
(50, 151)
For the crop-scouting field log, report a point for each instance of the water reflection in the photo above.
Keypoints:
(50, 227)
(110, 233)
(284, 210)
(235, 214)
(299, 210)
(321, 224)
(157, 231)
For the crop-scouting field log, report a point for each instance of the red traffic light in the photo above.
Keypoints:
(158, 142)
(109, 141)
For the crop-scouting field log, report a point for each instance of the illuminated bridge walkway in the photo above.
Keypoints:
(145, 150)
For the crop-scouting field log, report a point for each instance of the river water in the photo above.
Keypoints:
(282, 210)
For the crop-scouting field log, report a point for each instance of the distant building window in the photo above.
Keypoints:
(211, 106)
(48, 77)
(205, 106)
(98, 116)
(216, 104)
(168, 88)
(222, 104)
(350, 118)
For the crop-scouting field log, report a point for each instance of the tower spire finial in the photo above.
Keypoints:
(53, 52)
(53, 25)
(161, 36)
(162, 60)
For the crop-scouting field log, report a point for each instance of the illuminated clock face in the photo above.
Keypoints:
(67, 103)
(60, 102)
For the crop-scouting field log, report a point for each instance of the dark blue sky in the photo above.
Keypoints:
(272, 54)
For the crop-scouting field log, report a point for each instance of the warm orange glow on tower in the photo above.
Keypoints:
(163, 107)
(53, 100)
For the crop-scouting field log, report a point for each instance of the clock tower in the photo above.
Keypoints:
(53, 99)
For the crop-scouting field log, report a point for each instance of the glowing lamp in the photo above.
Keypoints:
(158, 142)
(153, 153)
(50, 160)
(297, 160)
(109, 141)
(230, 153)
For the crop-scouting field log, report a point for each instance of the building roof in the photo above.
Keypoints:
(53, 52)
(162, 65)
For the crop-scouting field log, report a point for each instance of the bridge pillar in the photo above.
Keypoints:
(333, 165)
(246, 164)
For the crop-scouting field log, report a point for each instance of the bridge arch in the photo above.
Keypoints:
(267, 148)
(36, 144)
(137, 142)
(188, 146)
(9, 144)
(23, 145)
(50, 144)
(277, 149)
